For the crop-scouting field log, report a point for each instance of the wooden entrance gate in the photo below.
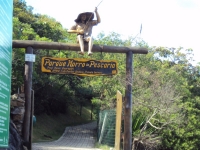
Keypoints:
(129, 51)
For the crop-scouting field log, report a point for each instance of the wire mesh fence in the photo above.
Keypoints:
(106, 127)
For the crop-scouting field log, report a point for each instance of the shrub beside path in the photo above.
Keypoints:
(81, 137)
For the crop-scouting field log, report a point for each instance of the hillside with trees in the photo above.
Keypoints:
(166, 86)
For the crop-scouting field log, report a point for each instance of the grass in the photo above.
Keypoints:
(103, 147)
(51, 127)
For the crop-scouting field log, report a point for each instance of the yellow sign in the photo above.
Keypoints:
(78, 66)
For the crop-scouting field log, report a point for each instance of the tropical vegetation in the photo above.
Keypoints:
(166, 85)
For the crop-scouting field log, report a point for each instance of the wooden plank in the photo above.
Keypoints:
(76, 47)
(118, 121)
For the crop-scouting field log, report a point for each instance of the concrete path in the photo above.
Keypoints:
(81, 137)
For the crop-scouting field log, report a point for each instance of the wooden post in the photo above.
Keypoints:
(118, 121)
(27, 90)
(31, 120)
(128, 102)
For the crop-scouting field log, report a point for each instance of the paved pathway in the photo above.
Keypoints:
(81, 137)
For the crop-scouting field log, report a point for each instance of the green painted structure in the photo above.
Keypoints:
(6, 14)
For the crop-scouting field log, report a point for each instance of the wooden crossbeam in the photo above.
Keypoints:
(76, 47)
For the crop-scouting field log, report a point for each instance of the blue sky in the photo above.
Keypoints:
(168, 23)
